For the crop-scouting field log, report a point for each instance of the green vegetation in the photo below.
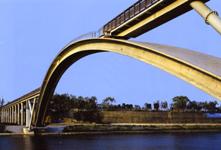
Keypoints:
(2, 102)
(156, 105)
(87, 109)
(147, 106)
(182, 103)
(82, 108)
(164, 105)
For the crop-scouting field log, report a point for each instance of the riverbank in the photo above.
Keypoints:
(4, 130)
(125, 128)
(141, 127)
(121, 128)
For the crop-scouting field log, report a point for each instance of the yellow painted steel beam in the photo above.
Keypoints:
(203, 72)
(167, 13)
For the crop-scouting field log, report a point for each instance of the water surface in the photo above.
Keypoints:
(174, 141)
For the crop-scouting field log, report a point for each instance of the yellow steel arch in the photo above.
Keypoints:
(200, 70)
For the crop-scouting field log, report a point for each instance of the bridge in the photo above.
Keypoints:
(20, 111)
(203, 72)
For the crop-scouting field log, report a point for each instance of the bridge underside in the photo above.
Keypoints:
(200, 70)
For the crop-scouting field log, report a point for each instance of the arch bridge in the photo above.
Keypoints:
(201, 70)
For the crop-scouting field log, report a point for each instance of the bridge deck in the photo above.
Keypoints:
(23, 98)
(145, 15)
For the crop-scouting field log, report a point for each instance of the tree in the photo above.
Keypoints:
(84, 108)
(147, 106)
(192, 105)
(137, 107)
(2, 102)
(93, 102)
(108, 101)
(219, 109)
(211, 106)
(164, 105)
(180, 102)
(127, 106)
(203, 106)
(199, 106)
(156, 105)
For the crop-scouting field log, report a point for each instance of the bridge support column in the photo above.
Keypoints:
(10, 115)
(18, 114)
(210, 17)
(7, 116)
(28, 114)
(22, 115)
(4, 115)
(33, 109)
(15, 114)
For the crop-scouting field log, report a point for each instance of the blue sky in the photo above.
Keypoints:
(33, 32)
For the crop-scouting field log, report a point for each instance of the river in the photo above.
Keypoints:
(173, 141)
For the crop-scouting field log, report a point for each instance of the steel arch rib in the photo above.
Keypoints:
(201, 70)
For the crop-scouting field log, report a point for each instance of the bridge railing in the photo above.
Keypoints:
(133, 11)
(90, 35)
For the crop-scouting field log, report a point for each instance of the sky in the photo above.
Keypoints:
(33, 32)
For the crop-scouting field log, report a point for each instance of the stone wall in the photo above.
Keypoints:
(155, 117)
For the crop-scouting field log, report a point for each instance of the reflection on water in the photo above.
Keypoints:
(187, 141)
